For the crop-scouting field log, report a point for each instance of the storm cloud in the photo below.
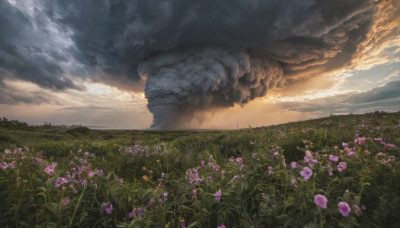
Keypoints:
(187, 56)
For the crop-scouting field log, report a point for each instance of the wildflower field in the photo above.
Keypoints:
(340, 171)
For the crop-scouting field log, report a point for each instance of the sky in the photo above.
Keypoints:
(211, 64)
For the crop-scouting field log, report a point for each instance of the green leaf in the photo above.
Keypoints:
(52, 207)
(194, 224)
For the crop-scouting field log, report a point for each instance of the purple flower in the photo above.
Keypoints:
(231, 159)
(140, 212)
(345, 145)
(202, 163)
(194, 194)
(99, 172)
(151, 201)
(270, 171)
(306, 173)
(357, 133)
(165, 195)
(239, 160)
(342, 166)
(361, 140)
(218, 196)
(320, 200)
(276, 154)
(351, 154)
(60, 181)
(221, 226)
(3, 165)
(344, 209)
(294, 181)
(107, 207)
(333, 158)
(293, 164)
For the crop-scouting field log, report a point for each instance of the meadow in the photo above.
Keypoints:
(339, 171)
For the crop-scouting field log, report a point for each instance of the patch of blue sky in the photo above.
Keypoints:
(376, 76)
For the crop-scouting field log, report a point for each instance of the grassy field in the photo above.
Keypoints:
(340, 171)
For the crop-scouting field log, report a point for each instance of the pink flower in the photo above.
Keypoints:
(356, 210)
(218, 196)
(342, 166)
(90, 174)
(49, 170)
(294, 181)
(361, 140)
(333, 158)
(345, 145)
(306, 173)
(221, 226)
(344, 209)
(276, 154)
(107, 207)
(66, 201)
(13, 165)
(293, 164)
(239, 160)
(320, 200)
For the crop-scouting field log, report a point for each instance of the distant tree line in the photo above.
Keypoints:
(14, 124)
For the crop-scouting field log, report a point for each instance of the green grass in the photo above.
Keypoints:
(134, 169)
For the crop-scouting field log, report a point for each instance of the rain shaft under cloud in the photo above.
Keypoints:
(187, 56)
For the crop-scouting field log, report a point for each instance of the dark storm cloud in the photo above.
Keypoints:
(24, 53)
(385, 98)
(191, 55)
(116, 36)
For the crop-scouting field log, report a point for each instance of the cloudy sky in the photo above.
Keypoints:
(167, 64)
